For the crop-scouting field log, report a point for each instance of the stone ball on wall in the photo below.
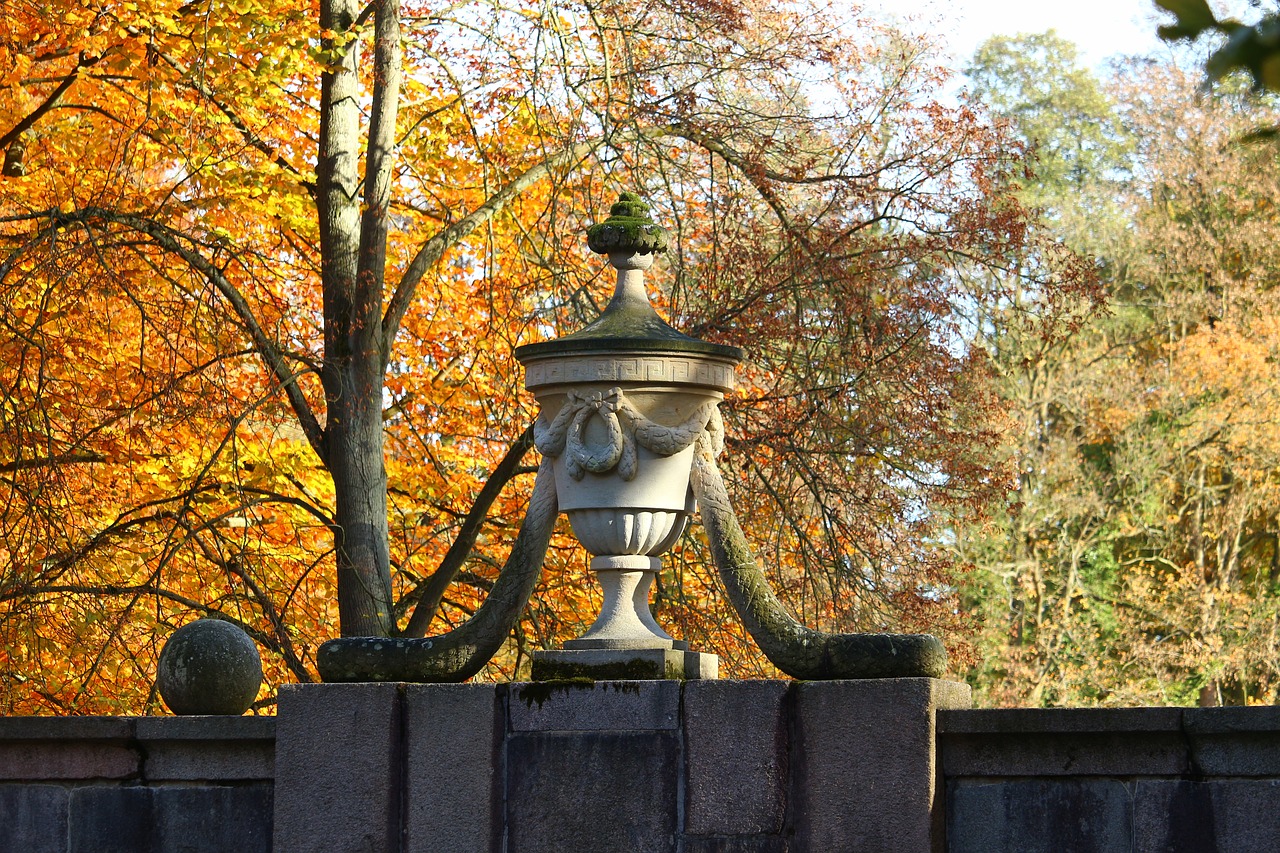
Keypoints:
(209, 667)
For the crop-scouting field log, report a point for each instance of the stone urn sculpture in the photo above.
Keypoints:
(629, 432)
(623, 405)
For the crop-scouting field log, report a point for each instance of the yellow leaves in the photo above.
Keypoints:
(18, 66)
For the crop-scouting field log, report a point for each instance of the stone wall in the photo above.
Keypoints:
(1136, 780)
(629, 767)
(136, 785)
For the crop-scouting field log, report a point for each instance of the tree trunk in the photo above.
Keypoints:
(352, 372)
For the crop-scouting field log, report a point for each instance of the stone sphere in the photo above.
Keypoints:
(209, 667)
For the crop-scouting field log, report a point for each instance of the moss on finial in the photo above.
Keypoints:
(628, 229)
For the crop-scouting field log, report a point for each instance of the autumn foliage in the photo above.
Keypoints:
(262, 267)
(1138, 561)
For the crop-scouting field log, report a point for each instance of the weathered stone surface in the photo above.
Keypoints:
(588, 792)
(212, 749)
(215, 728)
(1041, 816)
(33, 818)
(56, 759)
(110, 819)
(454, 767)
(598, 706)
(210, 761)
(338, 768)
(1234, 741)
(735, 757)
(1004, 721)
(623, 664)
(733, 844)
(1236, 816)
(862, 764)
(35, 748)
(66, 728)
(1063, 742)
(211, 819)
(209, 667)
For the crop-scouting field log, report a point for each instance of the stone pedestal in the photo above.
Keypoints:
(635, 766)
(864, 768)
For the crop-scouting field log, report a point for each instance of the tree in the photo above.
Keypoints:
(1136, 563)
(264, 273)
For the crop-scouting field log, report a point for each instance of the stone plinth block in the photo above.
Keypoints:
(628, 664)
(735, 758)
(592, 791)
(453, 768)
(338, 763)
(864, 778)
(598, 706)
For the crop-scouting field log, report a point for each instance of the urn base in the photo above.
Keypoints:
(624, 665)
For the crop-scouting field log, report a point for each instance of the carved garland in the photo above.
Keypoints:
(625, 428)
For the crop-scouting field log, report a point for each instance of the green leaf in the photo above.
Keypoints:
(1194, 17)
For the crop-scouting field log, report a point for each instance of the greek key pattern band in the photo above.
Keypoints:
(677, 370)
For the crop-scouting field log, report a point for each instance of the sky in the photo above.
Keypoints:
(1100, 27)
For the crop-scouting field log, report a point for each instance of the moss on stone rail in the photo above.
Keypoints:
(628, 229)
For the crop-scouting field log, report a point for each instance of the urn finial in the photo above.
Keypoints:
(629, 229)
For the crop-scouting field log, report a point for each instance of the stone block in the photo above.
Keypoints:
(862, 764)
(110, 819)
(66, 728)
(211, 819)
(1063, 742)
(68, 759)
(588, 792)
(453, 769)
(209, 761)
(623, 664)
(84, 748)
(214, 749)
(1041, 816)
(1234, 741)
(1227, 816)
(33, 818)
(338, 763)
(598, 706)
(220, 728)
(733, 844)
(735, 735)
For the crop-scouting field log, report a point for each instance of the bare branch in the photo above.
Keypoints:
(430, 592)
(49, 103)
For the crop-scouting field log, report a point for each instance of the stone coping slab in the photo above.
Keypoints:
(1109, 720)
(1117, 742)
(137, 728)
(72, 728)
(1055, 720)
(147, 749)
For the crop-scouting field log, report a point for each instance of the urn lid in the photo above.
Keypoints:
(629, 323)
